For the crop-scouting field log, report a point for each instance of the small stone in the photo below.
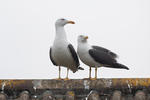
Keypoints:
(129, 97)
(24, 96)
(35, 97)
(116, 95)
(140, 95)
(93, 95)
(59, 98)
(47, 95)
(3, 96)
(70, 95)
(148, 97)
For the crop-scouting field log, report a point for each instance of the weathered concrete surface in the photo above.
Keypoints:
(48, 95)
(70, 95)
(117, 95)
(3, 96)
(93, 95)
(129, 97)
(140, 95)
(76, 83)
(24, 96)
(76, 89)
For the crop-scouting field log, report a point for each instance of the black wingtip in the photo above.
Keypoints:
(118, 65)
(80, 68)
(127, 68)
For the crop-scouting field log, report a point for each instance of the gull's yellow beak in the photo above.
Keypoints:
(86, 37)
(71, 22)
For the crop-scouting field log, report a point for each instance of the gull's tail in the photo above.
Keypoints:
(80, 68)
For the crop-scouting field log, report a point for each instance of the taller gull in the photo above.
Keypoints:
(62, 52)
(95, 56)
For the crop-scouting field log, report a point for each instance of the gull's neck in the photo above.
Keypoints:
(84, 45)
(60, 33)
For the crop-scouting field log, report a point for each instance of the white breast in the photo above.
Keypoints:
(61, 54)
(83, 52)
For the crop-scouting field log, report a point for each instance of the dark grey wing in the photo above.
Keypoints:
(74, 54)
(105, 59)
(114, 55)
(50, 55)
(102, 57)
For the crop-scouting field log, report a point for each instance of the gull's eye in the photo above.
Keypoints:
(81, 35)
(62, 19)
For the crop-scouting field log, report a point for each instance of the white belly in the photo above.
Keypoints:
(62, 56)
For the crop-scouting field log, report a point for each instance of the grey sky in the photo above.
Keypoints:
(27, 31)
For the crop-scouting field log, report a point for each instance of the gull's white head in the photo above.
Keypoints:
(82, 39)
(62, 22)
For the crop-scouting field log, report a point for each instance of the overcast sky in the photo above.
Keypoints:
(27, 31)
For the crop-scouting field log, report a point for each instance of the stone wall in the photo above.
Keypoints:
(76, 89)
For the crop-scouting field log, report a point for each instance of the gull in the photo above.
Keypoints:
(62, 52)
(96, 56)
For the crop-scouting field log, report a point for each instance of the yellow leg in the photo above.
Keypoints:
(59, 77)
(90, 73)
(96, 73)
(59, 73)
(67, 74)
(95, 78)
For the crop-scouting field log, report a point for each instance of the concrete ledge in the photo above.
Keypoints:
(112, 89)
(77, 83)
